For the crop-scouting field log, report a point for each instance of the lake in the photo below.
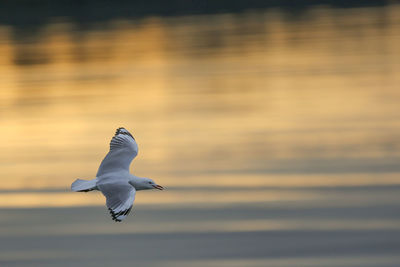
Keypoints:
(275, 134)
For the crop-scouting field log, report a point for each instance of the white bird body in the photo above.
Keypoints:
(113, 178)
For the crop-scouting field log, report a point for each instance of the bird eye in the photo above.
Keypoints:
(149, 182)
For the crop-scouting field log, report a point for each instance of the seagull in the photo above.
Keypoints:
(113, 178)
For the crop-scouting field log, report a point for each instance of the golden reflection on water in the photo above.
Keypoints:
(24, 200)
(227, 100)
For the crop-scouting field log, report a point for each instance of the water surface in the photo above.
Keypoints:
(275, 136)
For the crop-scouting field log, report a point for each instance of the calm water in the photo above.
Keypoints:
(277, 138)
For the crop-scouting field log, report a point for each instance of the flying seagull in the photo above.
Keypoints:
(113, 178)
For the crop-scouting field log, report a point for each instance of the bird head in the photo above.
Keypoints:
(150, 184)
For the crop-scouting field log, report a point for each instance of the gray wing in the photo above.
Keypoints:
(123, 149)
(119, 199)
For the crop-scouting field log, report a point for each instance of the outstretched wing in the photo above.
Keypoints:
(123, 149)
(119, 199)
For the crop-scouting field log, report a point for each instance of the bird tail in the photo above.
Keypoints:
(84, 185)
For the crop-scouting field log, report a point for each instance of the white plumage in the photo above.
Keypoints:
(113, 178)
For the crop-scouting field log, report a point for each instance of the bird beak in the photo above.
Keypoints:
(159, 187)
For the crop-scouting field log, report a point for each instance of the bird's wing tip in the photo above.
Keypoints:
(119, 130)
(119, 216)
(122, 130)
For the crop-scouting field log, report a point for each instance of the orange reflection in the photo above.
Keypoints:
(240, 103)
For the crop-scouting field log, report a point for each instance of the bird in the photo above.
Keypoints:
(113, 178)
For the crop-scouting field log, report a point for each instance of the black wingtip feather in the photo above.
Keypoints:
(85, 190)
(122, 130)
(119, 130)
(115, 215)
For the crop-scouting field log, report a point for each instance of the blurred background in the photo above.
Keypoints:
(274, 125)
